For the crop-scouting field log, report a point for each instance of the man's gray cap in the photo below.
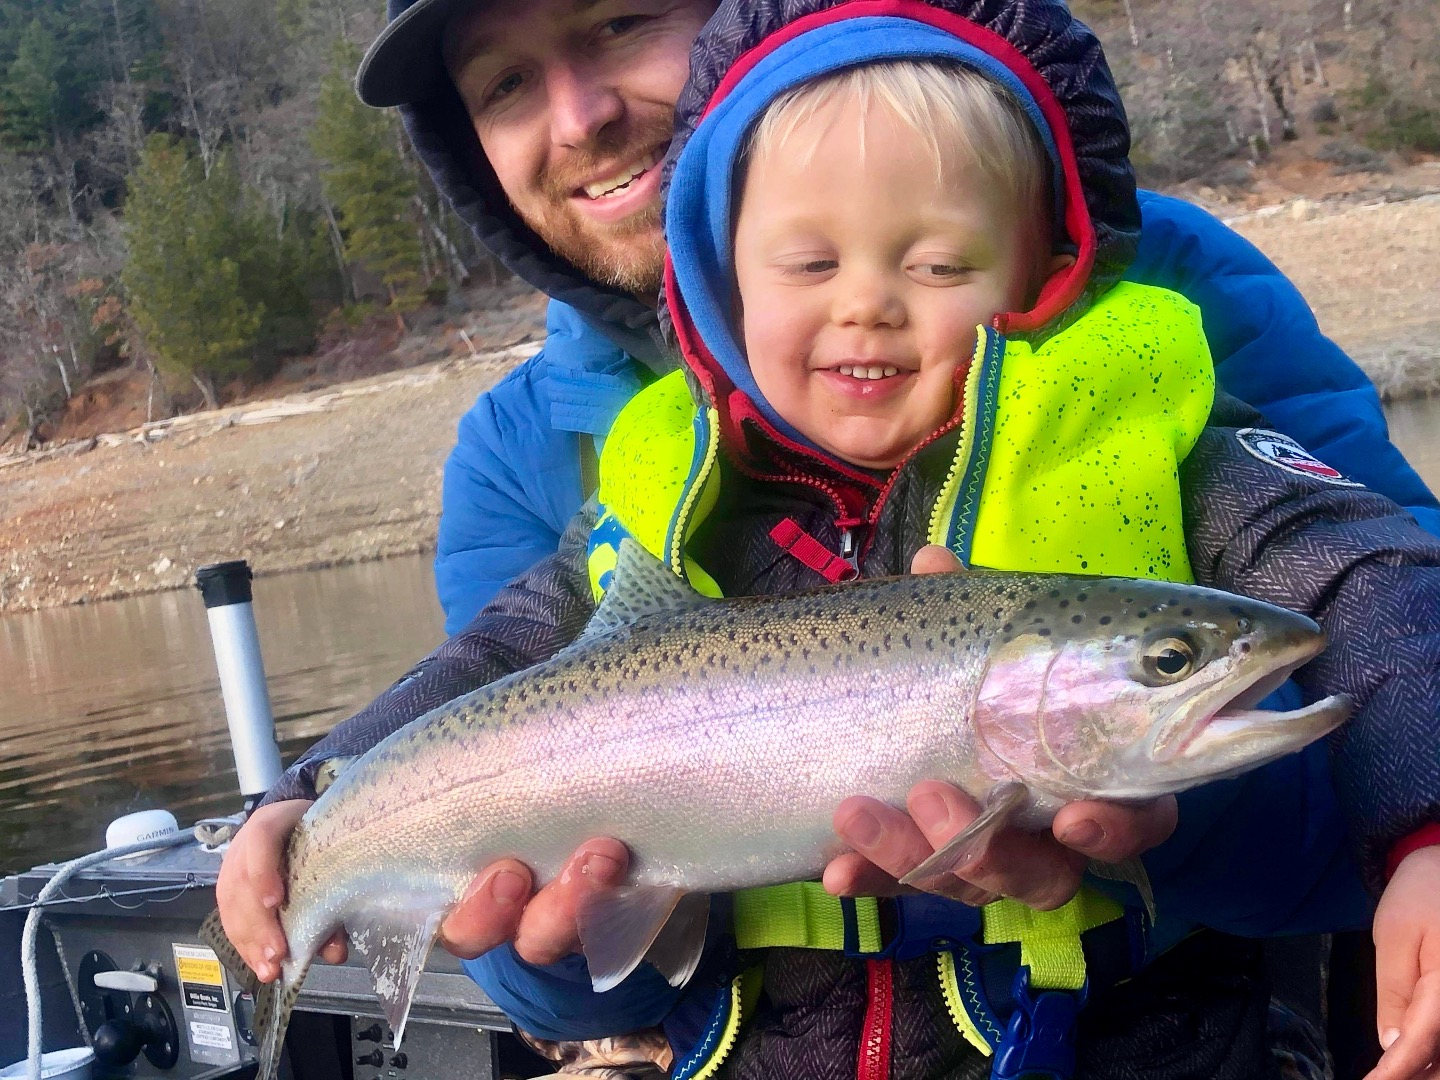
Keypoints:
(405, 64)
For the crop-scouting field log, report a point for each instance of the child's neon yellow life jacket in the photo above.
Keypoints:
(1067, 462)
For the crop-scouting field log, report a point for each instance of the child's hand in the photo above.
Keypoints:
(1407, 970)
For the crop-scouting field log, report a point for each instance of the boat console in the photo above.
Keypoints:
(123, 970)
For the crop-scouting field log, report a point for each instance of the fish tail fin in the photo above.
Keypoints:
(274, 1001)
(273, 1005)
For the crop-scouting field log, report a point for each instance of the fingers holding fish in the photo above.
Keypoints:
(489, 913)
(1113, 832)
(251, 886)
(547, 930)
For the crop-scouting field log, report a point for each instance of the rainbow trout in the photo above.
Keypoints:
(716, 738)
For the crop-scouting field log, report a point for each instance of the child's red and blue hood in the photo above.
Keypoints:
(753, 51)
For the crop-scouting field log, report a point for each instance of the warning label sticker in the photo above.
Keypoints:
(202, 982)
(216, 1035)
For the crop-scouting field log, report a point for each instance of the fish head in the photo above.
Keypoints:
(1132, 689)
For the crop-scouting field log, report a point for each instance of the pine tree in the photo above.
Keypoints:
(369, 184)
(184, 283)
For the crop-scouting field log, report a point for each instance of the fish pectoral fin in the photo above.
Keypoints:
(1132, 872)
(676, 951)
(1000, 805)
(642, 585)
(395, 945)
(620, 927)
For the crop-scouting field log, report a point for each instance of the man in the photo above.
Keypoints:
(545, 123)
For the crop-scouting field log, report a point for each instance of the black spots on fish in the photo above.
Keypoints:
(1185, 613)
(1029, 605)
(1235, 609)
(1077, 619)
(1105, 620)
(1064, 604)
(1080, 598)
(1054, 594)
(1043, 631)
(1142, 613)
(1007, 628)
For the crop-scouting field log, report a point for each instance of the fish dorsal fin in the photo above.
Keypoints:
(329, 771)
(1001, 804)
(641, 586)
(395, 945)
(622, 927)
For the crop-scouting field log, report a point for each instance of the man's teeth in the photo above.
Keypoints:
(618, 182)
(879, 371)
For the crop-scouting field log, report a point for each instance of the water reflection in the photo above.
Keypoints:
(116, 706)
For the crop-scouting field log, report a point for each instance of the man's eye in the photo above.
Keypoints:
(622, 24)
(505, 87)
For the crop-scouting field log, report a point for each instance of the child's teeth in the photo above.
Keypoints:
(861, 372)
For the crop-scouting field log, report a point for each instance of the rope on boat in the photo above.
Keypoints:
(28, 966)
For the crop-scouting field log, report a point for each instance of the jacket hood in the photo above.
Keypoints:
(440, 130)
(753, 51)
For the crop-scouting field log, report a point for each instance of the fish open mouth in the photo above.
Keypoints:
(1225, 717)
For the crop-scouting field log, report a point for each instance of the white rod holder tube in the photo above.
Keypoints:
(226, 590)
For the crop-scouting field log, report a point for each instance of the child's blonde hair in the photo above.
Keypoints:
(959, 113)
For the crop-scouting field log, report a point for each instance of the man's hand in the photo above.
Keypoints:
(1407, 970)
(497, 907)
(1041, 871)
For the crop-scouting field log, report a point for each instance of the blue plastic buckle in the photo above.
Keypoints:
(1040, 1039)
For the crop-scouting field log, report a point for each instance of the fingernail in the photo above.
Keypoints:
(270, 900)
(507, 887)
(864, 829)
(930, 811)
(600, 867)
(269, 951)
(1388, 1037)
(1084, 836)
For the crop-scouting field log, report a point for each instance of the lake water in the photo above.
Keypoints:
(116, 707)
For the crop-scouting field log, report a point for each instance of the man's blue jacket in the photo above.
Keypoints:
(513, 480)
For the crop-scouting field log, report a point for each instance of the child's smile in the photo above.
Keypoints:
(863, 270)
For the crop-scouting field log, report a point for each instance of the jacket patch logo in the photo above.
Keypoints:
(1285, 453)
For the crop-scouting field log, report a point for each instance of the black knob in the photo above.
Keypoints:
(118, 1042)
(399, 1061)
(375, 1057)
(373, 1033)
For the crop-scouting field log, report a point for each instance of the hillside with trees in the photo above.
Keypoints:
(189, 189)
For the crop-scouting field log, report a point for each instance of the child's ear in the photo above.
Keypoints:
(1058, 263)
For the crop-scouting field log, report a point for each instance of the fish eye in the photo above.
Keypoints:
(1168, 660)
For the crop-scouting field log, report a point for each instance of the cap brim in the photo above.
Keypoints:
(405, 63)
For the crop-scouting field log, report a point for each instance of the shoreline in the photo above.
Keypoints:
(351, 472)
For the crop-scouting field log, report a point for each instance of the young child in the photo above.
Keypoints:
(896, 236)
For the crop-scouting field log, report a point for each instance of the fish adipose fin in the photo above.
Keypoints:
(642, 586)
(395, 944)
(1000, 805)
(1132, 872)
(274, 1001)
(622, 927)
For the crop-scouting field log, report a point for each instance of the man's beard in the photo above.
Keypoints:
(629, 254)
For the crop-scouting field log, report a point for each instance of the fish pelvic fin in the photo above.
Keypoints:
(274, 1001)
(622, 927)
(642, 585)
(1001, 804)
(1131, 871)
(395, 945)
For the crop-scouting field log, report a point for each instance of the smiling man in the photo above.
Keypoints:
(545, 122)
